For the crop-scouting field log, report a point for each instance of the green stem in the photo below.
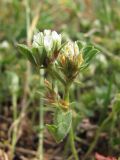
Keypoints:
(55, 74)
(41, 123)
(27, 20)
(74, 151)
(66, 95)
(66, 148)
(14, 136)
(71, 134)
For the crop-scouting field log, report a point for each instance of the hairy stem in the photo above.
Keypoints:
(28, 68)
(74, 151)
(71, 134)
(14, 136)
(41, 122)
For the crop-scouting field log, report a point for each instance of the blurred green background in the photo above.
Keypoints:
(94, 21)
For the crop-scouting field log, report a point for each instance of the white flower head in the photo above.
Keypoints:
(38, 39)
(48, 43)
(47, 32)
(50, 40)
(56, 36)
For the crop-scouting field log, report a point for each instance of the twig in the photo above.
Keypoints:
(19, 149)
(26, 151)
(8, 120)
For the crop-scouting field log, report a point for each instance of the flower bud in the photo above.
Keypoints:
(70, 60)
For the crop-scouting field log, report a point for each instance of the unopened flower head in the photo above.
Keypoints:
(70, 59)
(71, 53)
(71, 49)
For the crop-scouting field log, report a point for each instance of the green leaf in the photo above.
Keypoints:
(27, 53)
(53, 130)
(62, 46)
(61, 126)
(37, 55)
(88, 51)
(90, 54)
(80, 44)
(78, 83)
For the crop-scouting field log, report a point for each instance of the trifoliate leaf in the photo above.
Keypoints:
(27, 53)
(61, 126)
(89, 54)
